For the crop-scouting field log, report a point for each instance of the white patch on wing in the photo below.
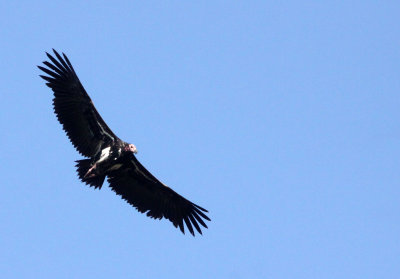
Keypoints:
(104, 154)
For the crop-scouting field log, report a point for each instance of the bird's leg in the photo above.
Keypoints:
(89, 171)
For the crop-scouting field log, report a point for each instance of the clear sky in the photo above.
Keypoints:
(281, 118)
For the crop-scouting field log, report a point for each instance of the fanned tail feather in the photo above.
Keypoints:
(82, 168)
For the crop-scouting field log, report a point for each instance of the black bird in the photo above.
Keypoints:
(108, 156)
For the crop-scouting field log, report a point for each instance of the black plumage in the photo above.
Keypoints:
(110, 157)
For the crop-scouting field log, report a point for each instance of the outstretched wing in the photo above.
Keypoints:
(142, 190)
(74, 109)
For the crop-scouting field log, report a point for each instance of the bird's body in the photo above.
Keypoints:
(109, 157)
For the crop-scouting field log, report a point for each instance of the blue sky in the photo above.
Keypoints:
(282, 119)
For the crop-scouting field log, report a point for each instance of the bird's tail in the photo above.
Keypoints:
(82, 168)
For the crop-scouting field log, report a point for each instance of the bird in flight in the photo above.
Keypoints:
(109, 156)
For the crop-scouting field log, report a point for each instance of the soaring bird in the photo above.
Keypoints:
(109, 156)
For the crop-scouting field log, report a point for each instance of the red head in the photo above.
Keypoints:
(130, 148)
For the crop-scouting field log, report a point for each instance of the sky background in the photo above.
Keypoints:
(282, 119)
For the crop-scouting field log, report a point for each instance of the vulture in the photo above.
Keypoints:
(107, 156)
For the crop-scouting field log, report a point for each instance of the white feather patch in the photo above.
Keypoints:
(104, 154)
